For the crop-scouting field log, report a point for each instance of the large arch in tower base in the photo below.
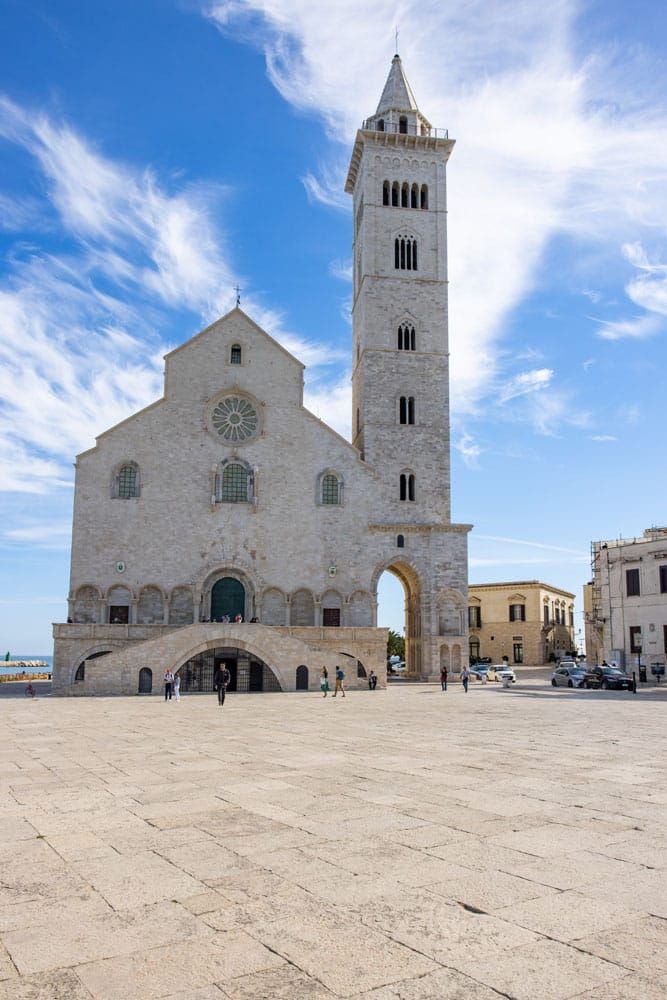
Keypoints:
(407, 575)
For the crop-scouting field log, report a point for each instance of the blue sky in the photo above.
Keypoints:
(154, 154)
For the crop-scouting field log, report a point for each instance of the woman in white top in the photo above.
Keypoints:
(177, 686)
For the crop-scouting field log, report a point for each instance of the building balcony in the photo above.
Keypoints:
(394, 128)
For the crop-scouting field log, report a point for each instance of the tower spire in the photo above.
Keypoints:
(397, 94)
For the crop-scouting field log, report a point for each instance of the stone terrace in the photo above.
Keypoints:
(403, 844)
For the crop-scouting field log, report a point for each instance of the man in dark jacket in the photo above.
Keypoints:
(220, 681)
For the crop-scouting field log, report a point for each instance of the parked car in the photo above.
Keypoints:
(480, 671)
(501, 672)
(568, 675)
(609, 678)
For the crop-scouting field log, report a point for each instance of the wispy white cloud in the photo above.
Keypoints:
(333, 405)
(564, 133)
(79, 348)
(526, 382)
(603, 437)
(468, 449)
(47, 535)
(341, 269)
(638, 328)
(529, 543)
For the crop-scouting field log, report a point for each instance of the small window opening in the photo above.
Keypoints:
(235, 357)
(403, 125)
(234, 484)
(380, 124)
(385, 193)
(414, 196)
(127, 482)
(394, 194)
(400, 542)
(330, 489)
(404, 196)
(424, 196)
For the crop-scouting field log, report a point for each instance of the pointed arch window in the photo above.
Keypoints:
(407, 486)
(385, 193)
(405, 196)
(395, 194)
(423, 197)
(414, 196)
(405, 253)
(406, 337)
(235, 355)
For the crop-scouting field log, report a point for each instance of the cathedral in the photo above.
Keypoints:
(225, 523)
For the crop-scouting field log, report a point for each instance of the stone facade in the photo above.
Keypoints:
(626, 602)
(526, 621)
(227, 496)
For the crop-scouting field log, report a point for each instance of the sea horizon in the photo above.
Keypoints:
(45, 657)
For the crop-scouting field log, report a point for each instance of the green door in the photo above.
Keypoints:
(227, 598)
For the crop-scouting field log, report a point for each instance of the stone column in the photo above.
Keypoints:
(132, 615)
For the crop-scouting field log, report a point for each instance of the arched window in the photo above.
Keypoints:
(385, 193)
(405, 196)
(394, 194)
(406, 337)
(80, 674)
(403, 124)
(235, 354)
(400, 542)
(330, 489)
(424, 196)
(406, 410)
(405, 253)
(380, 124)
(234, 487)
(414, 196)
(407, 486)
(125, 482)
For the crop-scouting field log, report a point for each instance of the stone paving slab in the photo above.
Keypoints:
(401, 845)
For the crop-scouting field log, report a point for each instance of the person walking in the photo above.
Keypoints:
(465, 679)
(177, 686)
(372, 681)
(443, 678)
(340, 677)
(324, 682)
(168, 684)
(220, 682)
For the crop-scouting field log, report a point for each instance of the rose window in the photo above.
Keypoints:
(235, 419)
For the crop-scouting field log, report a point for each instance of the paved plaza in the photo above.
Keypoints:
(398, 844)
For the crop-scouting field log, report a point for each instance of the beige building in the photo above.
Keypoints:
(625, 604)
(226, 497)
(527, 621)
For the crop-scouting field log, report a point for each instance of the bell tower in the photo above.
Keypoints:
(400, 365)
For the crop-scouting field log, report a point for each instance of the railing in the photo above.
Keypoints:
(372, 125)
